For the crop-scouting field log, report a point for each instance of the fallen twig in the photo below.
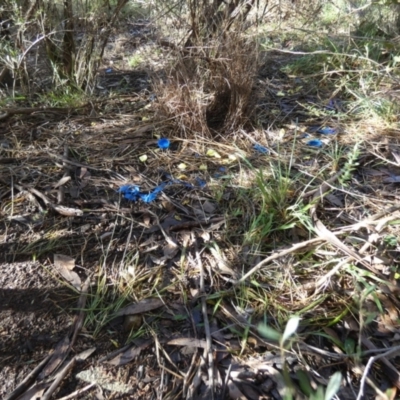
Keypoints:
(60, 376)
(207, 330)
(28, 380)
(9, 112)
(78, 322)
(75, 394)
(383, 357)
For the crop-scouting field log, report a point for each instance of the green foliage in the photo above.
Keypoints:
(73, 61)
(63, 97)
(135, 61)
(304, 380)
(277, 209)
(391, 240)
(350, 165)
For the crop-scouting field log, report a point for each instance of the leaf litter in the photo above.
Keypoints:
(179, 224)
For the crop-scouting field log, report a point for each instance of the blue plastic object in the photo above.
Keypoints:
(315, 143)
(261, 149)
(327, 131)
(133, 192)
(163, 143)
(201, 182)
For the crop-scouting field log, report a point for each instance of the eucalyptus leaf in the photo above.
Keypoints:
(318, 394)
(304, 382)
(333, 385)
(291, 328)
(269, 332)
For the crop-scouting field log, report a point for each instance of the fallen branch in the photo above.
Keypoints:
(9, 112)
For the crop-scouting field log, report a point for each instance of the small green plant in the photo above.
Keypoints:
(350, 165)
(336, 152)
(276, 208)
(63, 97)
(284, 339)
(135, 60)
(384, 109)
(102, 304)
(391, 240)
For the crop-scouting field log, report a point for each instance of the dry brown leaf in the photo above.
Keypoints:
(64, 266)
(189, 342)
(396, 157)
(170, 250)
(375, 172)
(35, 392)
(166, 224)
(143, 306)
(169, 222)
(62, 181)
(80, 317)
(234, 392)
(334, 200)
(132, 322)
(249, 390)
(388, 322)
(139, 131)
(84, 176)
(82, 356)
(128, 355)
(74, 191)
(209, 207)
(68, 211)
(218, 262)
(199, 213)
(83, 173)
(60, 353)
(146, 220)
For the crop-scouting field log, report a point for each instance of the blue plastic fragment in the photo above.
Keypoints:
(327, 131)
(126, 188)
(163, 143)
(108, 70)
(201, 182)
(148, 198)
(130, 192)
(133, 193)
(160, 187)
(260, 149)
(315, 143)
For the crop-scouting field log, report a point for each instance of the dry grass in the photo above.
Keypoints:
(208, 89)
